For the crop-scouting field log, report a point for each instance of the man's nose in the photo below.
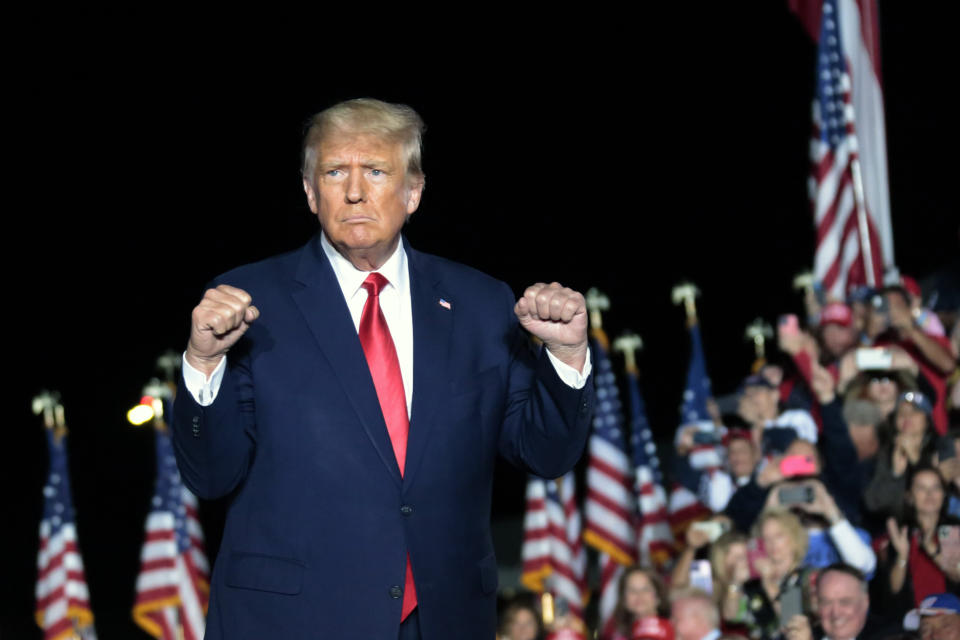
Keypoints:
(356, 190)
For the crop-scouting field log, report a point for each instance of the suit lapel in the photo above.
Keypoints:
(325, 311)
(432, 326)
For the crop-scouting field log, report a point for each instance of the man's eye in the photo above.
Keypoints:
(333, 172)
(376, 172)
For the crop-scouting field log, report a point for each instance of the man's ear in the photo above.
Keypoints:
(311, 195)
(414, 193)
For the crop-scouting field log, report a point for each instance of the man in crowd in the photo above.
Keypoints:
(694, 615)
(367, 392)
(891, 323)
(937, 618)
(837, 333)
(843, 600)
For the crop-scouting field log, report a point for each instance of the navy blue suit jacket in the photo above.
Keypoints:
(320, 521)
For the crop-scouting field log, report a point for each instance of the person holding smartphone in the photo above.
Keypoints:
(910, 443)
(923, 556)
(783, 542)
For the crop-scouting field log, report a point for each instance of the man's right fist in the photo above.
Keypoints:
(223, 315)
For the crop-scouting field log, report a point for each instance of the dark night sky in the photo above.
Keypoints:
(151, 157)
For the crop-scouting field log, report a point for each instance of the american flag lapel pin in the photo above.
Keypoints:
(443, 303)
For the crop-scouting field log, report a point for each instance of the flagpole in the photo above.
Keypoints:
(865, 249)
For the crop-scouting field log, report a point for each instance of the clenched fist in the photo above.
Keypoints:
(557, 315)
(223, 315)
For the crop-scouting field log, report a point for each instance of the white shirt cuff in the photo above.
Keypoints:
(203, 389)
(853, 550)
(570, 376)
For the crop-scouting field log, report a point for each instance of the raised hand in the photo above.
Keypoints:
(899, 539)
(223, 315)
(557, 315)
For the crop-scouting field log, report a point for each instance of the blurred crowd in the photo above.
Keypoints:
(831, 482)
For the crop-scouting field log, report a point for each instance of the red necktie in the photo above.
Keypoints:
(385, 370)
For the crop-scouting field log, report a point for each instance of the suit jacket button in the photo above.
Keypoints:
(406, 510)
(396, 592)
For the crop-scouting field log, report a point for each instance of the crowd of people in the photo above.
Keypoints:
(832, 491)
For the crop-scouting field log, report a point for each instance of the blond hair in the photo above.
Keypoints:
(791, 524)
(395, 123)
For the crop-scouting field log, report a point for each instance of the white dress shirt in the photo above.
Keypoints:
(395, 303)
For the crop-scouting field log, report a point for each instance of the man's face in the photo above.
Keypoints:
(742, 457)
(843, 605)
(361, 195)
(910, 420)
(942, 627)
(837, 340)
(760, 403)
(687, 622)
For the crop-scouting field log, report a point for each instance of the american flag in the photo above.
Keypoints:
(685, 506)
(848, 137)
(610, 504)
(554, 558)
(654, 539)
(63, 603)
(172, 588)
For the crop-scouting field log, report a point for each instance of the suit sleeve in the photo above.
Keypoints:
(546, 421)
(215, 443)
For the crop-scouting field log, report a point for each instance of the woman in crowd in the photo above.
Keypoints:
(730, 567)
(879, 387)
(520, 621)
(784, 542)
(909, 442)
(642, 594)
(924, 550)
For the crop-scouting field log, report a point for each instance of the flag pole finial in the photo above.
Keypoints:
(597, 302)
(686, 293)
(169, 363)
(759, 332)
(804, 281)
(629, 343)
(47, 404)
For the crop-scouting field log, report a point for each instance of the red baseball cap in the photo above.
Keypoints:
(836, 313)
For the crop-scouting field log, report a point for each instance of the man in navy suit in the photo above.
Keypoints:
(367, 392)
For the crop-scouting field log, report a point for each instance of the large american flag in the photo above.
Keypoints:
(848, 130)
(685, 507)
(610, 505)
(554, 558)
(172, 587)
(654, 538)
(63, 603)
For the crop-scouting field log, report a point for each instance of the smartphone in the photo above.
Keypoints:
(701, 577)
(791, 603)
(795, 495)
(873, 358)
(792, 466)
(788, 324)
(756, 556)
(713, 529)
(706, 437)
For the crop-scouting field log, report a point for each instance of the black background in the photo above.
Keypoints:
(625, 151)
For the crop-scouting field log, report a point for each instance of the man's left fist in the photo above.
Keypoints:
(558, 316)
